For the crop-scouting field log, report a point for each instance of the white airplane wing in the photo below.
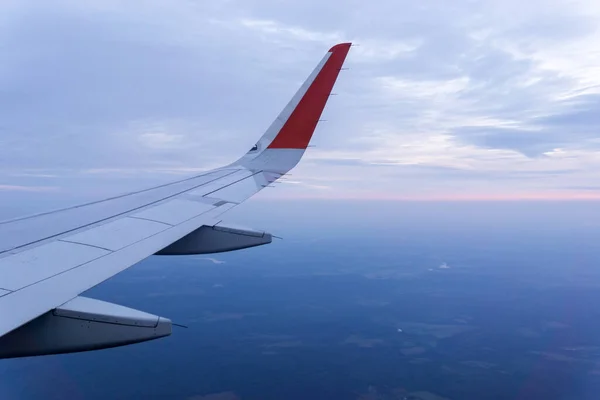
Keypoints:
(48, 260)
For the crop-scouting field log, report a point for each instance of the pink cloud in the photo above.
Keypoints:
(20, 188)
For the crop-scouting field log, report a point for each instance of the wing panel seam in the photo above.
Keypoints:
(108, 322)
(85, 244)
(150, 220)
(111, 252)
(114, 197)
(233, 183)
(117, 215)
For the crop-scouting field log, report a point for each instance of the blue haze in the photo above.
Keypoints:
(316, 315)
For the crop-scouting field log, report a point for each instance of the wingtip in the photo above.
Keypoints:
(300, 124)
(340, 46)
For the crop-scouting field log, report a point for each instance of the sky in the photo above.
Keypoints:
(461, 100)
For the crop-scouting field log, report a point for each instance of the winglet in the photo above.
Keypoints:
(298, 129)
(282, 145)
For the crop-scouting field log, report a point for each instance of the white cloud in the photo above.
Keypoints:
(281, 31)
(364, 50)
(20, 188)
(441, 98)
(212, 260)
(305, 184)
(161, 140)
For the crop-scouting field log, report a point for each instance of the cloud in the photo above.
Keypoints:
(277, 30)
(305, 184)
(459, 99)
(211, 259)
(161, 140)
(367, 50)
(19, 188)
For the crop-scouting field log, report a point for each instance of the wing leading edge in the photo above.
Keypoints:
(48, 260)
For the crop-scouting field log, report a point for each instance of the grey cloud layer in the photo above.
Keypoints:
(495, 91)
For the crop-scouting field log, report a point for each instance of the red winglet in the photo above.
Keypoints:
(298, 129)
(339, 46)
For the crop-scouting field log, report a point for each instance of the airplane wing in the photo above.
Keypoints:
(48, 260)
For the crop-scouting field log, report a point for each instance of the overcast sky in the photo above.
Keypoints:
(461, 99)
